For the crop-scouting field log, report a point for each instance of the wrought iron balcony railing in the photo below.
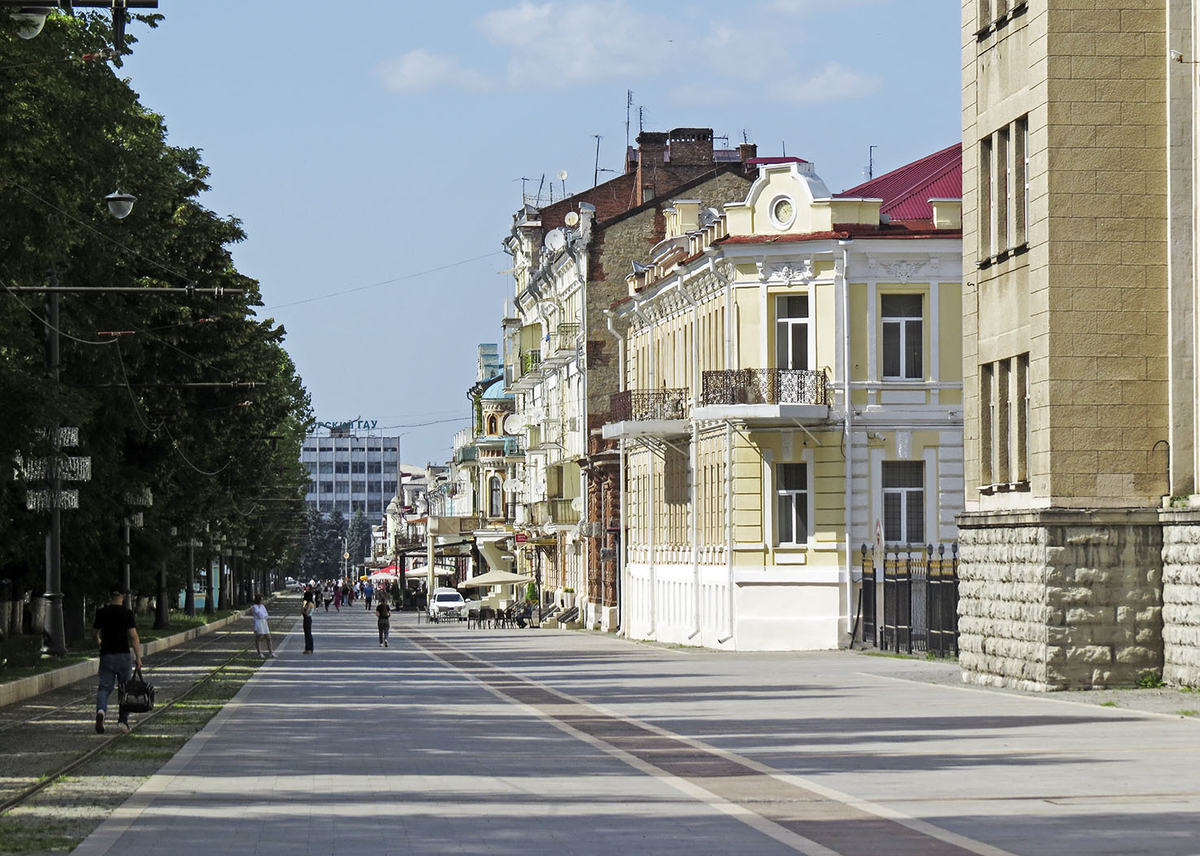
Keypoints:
(764, 386)
(636, 406)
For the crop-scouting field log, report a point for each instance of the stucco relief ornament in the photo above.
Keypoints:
(904, 271)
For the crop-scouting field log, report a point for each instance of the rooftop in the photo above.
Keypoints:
(906, 191)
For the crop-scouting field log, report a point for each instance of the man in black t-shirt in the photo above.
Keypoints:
(116, 631)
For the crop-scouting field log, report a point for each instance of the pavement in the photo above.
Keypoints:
(549, 741)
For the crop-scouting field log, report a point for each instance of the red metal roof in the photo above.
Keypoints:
(906, 191)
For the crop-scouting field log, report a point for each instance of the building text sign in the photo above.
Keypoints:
(360, 424)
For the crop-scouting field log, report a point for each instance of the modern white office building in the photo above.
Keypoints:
(348, 472)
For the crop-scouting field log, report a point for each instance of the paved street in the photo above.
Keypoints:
(539, 741)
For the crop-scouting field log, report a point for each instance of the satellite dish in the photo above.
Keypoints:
(572, 219)
(513, 485)
(556, 240)
(577, 504)
(514, 423)
(562, 175)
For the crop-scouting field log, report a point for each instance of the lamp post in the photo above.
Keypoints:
(31, 17)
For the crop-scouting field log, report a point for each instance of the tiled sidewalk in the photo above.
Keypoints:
(529, 742)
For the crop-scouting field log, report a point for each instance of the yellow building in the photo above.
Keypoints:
(792, 389)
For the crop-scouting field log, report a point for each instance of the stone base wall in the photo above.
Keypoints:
(1060, 598)
(1181, 598)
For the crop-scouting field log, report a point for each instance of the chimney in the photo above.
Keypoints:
(652, 149)
(747, 151)
(691, 146)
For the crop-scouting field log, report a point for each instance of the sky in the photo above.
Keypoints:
(374, 151)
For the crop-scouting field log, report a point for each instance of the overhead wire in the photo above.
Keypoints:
(408, 276)
(50, 326)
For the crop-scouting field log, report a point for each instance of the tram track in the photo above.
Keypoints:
(53, 735)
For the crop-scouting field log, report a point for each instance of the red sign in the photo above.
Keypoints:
(521, 537)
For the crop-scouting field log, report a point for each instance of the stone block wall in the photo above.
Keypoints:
(1060, 598)
(1181, 598)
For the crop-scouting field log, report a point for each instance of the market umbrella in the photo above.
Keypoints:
(494, 578)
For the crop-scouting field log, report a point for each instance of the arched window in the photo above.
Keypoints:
(497, 498)
(492, 424)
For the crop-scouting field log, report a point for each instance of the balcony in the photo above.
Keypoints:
(563, 345)
(465, 454)
(530, 364)
(764, 395)
(554, 512)
(514, 447)
(637, 413)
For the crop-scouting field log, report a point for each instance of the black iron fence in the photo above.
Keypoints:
(764, 386)
(920, 599)
(637, 406)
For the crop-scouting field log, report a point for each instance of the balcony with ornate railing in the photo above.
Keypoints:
(554, 511)
(465, 454)
(763, 386)
(640, 406)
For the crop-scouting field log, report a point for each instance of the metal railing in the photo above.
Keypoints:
(566, 337)
(530, 360)
(636, 406)
(764, 386)
(920, 599)
(514, 447)
(466, 453)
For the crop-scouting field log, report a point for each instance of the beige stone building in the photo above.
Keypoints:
(1078, 342)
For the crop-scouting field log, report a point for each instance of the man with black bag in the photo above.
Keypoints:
(120, 649)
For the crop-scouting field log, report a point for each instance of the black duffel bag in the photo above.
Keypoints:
(137, 694)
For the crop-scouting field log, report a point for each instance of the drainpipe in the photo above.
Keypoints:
(848, 415)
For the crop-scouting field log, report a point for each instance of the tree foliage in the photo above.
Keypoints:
(219, 459)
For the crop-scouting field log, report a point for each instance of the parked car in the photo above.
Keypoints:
(445, 600)
(293, 585)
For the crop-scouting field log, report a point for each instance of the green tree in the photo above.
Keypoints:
(218, 458)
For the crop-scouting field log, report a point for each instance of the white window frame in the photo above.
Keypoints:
(801, 499)
(789, 323)
(902, 322)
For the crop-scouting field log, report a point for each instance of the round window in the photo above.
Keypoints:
(782, 212)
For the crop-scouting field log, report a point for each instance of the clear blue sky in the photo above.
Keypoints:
(368, 142)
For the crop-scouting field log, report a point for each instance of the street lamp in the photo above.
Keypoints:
(120, 203)
(30, 20)
(31, 17)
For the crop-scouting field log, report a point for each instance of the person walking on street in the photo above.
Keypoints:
(120, 648)
(262, 630)
(384, 613)
(306, 610)
(337, 598)
(368, 594)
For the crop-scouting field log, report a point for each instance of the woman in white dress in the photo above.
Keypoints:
(262, 630)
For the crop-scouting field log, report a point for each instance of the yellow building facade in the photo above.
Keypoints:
(792, 373)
